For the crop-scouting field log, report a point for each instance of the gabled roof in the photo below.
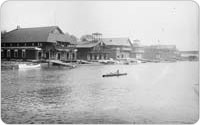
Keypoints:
(117, 41)
(87, 44)
(107, 41)
(164, 46)
(36, 34)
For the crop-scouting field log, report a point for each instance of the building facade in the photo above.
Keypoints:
(39, 43)
(137, 50)
(118, 48)
(104, 48)
(189, 55)
(161, 52)
(93, 50)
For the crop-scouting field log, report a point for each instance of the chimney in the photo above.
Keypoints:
(18, 26)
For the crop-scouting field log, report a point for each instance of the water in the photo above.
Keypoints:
(150, 93)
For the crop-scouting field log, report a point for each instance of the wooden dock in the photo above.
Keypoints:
(61, 63)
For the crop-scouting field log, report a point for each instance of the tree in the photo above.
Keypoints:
(71, 38)
(86, 37)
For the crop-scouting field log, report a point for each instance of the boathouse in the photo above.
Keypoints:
(104, 48)
(118, 48)
(94, 49)
(37, 43)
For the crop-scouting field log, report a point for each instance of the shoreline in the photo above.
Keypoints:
(5, 64)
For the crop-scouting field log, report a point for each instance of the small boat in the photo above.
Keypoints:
(29, 66)
(114, 74)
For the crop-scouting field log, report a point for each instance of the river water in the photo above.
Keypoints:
(150, 93)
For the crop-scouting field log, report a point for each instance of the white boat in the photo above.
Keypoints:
(29, 66)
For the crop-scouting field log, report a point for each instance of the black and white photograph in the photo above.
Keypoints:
(99, 62)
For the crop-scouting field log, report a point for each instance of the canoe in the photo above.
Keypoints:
(29, 66)
(114, 74)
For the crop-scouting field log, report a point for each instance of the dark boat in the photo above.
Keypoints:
(114, 74)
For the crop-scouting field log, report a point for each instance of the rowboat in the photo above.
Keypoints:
(114, 74)
(29, 66)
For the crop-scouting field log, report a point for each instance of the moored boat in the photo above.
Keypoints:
(29, 66)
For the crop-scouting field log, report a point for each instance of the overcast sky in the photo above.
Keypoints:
(170, 22)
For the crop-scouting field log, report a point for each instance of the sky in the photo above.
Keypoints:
(152, 22)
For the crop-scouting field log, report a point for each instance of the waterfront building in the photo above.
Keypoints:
(119, 48)
(104, 48)
(137, 50)
(189, 55)
(94, 49)
(37, 43)
(161, 52)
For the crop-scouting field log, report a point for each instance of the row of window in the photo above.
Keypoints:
(70, 55)
(96, 56)
(16, 53)
(21, 44)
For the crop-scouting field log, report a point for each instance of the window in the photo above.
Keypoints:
(105, 56)
(8, 53)
(14, 44)
(56, 31)
(73, 56)
(16, 53)
(90, 56)
(23, 53)
(67, 55)
(2, 53)
(29, 44)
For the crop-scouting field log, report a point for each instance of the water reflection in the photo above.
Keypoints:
(82, 95)
(53, 95)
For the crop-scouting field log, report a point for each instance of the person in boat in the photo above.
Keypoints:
(118, 71)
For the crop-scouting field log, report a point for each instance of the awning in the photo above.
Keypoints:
(65, 50)
(24, 47)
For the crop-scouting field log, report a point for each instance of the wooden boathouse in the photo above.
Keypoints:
(104, 48)
(38, 43)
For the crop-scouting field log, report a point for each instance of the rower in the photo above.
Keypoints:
(118, 71)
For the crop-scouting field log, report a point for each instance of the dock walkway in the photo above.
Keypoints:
(58, 62)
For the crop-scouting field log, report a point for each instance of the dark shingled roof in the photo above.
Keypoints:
(36, 34)
(117, 41)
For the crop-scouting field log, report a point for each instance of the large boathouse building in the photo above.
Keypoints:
(37, 43)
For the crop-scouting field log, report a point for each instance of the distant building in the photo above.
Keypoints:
(37, 43)
(189, 55)
(93, 49)
(137, 50)
(119, 48)
(161, 52)
(104, 48)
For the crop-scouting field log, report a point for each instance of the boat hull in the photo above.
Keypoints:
(25, 66)
(111, 75)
